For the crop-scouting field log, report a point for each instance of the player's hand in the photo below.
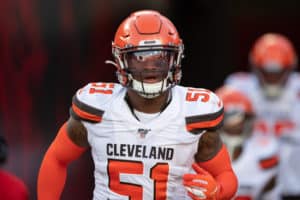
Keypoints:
(201, 185)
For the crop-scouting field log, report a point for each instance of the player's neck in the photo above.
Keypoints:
(145, 105)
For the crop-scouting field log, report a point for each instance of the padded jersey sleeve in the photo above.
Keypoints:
(241, 81)
(204, 114)
(88, 101)
(237, 77)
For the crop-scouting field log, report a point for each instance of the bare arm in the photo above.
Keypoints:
(77, 132)
(209, 145)
(212, 156)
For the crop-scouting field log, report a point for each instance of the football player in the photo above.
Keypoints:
(255, 157)
(11, 186)
(273, 86)
(146, 133)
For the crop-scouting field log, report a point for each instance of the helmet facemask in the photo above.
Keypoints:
(238, 126)
(272, 80)
(149, 71)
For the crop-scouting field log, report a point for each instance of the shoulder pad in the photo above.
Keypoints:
(238, 76)
(204, 110)
(87, 103)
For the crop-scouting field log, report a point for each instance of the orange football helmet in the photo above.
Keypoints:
(147, 51)
(272, 58)
(238, 117)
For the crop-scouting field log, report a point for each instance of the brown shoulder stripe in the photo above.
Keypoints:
(198, 123)
(269, 162)
(85, 112)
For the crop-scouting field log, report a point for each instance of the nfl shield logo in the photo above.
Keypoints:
(143, 132)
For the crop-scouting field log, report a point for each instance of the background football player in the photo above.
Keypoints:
(273, 86)
(11, 186)
(255, 157)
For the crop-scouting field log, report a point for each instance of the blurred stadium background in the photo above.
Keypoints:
(49, 49)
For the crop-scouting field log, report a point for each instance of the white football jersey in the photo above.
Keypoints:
(256, 166)
(279, 117)
(135, 160)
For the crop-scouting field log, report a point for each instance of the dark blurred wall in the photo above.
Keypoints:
(49, 49)
(204, 27)
(23, 62)
(218, 35)
(249, 20)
